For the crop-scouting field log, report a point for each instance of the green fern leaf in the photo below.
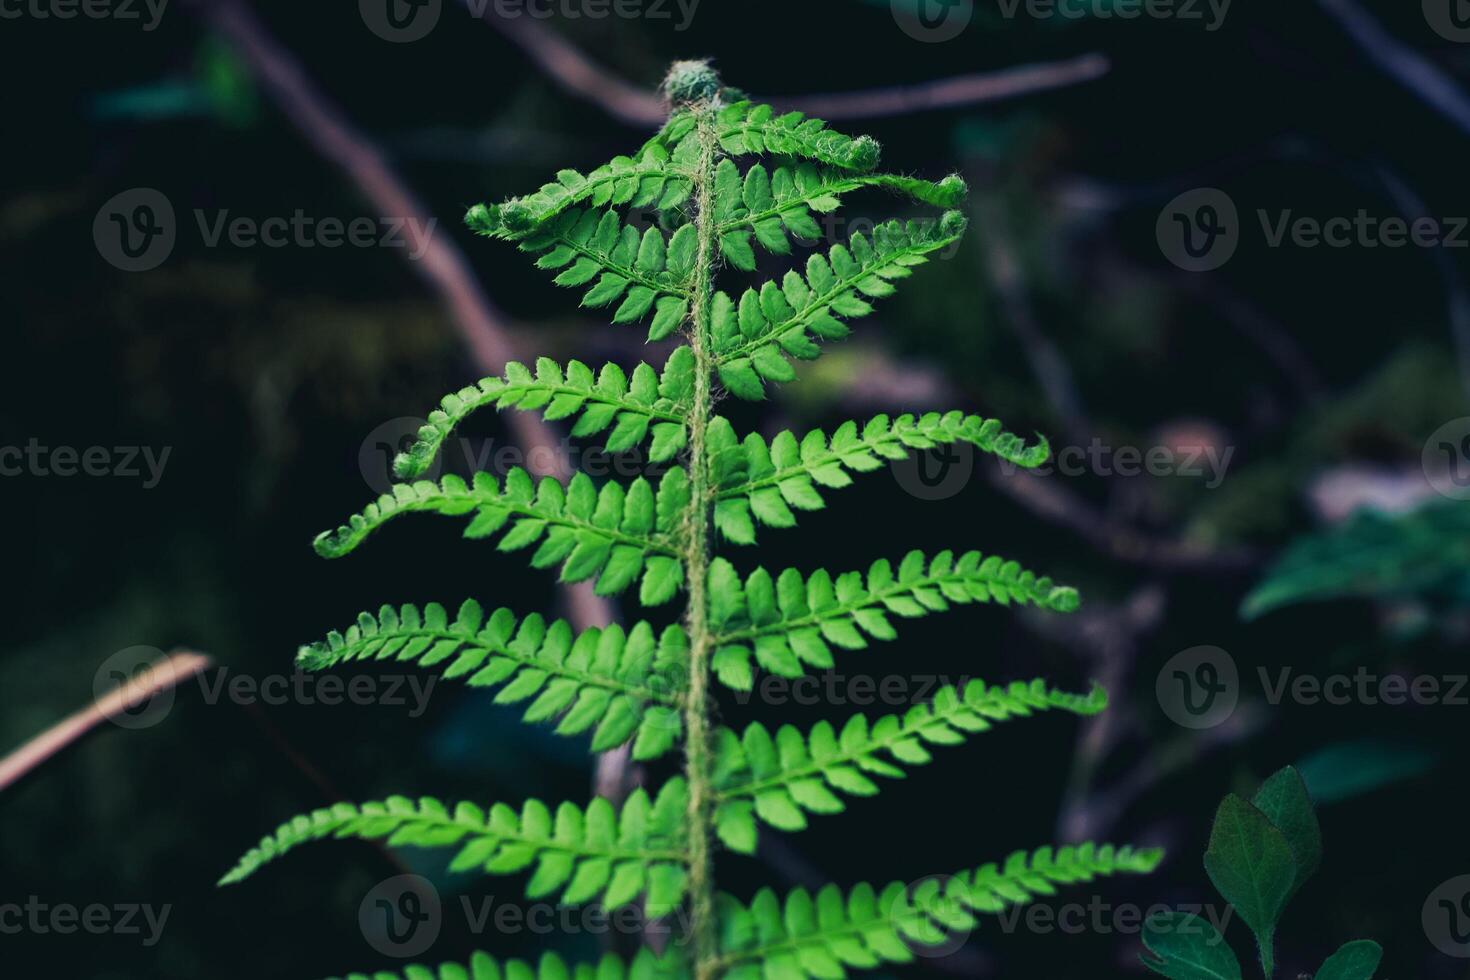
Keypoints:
(749, 128)
(581, 853)
(779, 780)
(611, 534)
(645, 965)
(647, 180)
(617, 684)
(791, 621)
(770, 482)
(643, 270)
(818, 936)
(769, 208)
(754, 336)
(648, 403)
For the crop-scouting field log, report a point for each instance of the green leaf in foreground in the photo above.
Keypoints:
(1185, 947)
(1354, 961)
(1253, 867)
(1283, 799)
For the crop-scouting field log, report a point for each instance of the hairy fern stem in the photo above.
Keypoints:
(696, 561)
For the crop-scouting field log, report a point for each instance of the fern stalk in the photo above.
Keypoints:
(696, 562)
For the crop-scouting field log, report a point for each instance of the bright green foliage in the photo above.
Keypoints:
(630, 407)
(647, 238)
(780, 779)
(818, 936)
(770, 481)
(612, 534)
(1261, 853)
(791, 621)
(587, 855)
(644, 966)
(622, 682)
(753, 336)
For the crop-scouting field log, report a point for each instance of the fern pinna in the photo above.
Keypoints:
(651, 686)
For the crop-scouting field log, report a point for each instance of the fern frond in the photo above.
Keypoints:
(591, 854)
(613, 534)
(779, 780)
(632, 408)
(643, 269)
(647, 180)
(770, 481)
(766, 207)
(624, 683)
(790, 620)
(646, 965)
(776, 204)
(753, 337)
(818, 936)
(747, 127)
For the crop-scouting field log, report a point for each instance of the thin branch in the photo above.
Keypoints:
(1047, 499)
(643, 107)
(162, 676)
(948, 93)
(1402, 63)
(445, 269)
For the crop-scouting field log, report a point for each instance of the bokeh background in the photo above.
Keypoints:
(277, 377)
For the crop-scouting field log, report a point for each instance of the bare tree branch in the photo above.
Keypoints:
(442, 265)
(1402, 63)
(643, 107)
(162, 676)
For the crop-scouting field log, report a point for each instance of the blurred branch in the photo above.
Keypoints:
(1402, 63)
(644, 107)
(481, 325)
(162, 676)
(1003, 267)
(1048, 500)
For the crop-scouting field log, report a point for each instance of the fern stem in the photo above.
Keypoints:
(697, 723)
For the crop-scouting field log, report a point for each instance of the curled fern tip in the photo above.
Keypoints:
(691, 81)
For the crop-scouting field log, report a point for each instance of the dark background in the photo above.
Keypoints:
(264, 370)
